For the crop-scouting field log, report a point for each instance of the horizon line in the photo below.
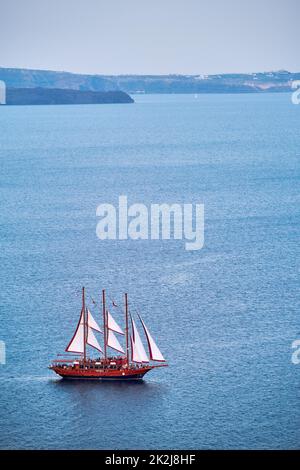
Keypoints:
(150, 74)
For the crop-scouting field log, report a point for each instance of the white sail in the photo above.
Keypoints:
(92, 340)
(77, 342)
(92, 322)
(154, 352)
(113, 342)
(134, 352)
(138, 349)
(112, 324)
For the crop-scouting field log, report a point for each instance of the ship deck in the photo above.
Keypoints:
(109, 369)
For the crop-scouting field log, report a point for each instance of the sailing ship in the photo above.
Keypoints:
(130, 364)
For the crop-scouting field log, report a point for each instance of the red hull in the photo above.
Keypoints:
(125, 374)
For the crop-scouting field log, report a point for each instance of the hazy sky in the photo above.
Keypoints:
(150, 37)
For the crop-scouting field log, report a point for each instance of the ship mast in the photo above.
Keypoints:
(126, 329)
(104, 321)
(84, 325)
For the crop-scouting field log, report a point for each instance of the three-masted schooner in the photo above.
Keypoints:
(131, 364)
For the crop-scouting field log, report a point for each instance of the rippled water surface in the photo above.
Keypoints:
(225, 316)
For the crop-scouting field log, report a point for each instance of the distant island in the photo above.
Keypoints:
(40, 96)
(264, 82)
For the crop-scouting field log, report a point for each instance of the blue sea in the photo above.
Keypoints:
(224, 316)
